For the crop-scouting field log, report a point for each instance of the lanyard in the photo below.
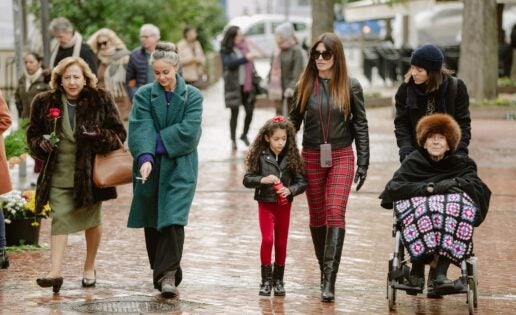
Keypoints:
(325, 131)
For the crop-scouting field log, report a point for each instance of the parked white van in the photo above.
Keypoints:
(259, 30)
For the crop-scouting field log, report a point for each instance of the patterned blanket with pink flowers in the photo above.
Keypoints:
(438, 224)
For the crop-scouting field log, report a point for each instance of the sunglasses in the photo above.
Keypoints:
(102, 43)
(326, 55)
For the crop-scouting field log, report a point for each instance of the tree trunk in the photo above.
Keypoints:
(478, 65)
(322, 18)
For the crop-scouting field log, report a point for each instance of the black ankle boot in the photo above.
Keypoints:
(441, 270)
(4, 260)
(332, 254)
(265, 286)
(277, 280)
(319, 238)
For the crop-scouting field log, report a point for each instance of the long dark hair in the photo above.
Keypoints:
(339, 85)
(294, 161)
(228, 42)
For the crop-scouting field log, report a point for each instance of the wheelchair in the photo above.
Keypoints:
(398, 271)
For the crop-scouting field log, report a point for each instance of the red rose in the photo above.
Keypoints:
(54, 112)
(279, 119)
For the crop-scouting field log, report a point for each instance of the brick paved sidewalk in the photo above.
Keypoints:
(221, 256)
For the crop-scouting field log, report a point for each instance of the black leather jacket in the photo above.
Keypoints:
(343, 130)
(269, 166)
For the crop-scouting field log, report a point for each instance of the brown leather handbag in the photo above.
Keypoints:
(113, 168)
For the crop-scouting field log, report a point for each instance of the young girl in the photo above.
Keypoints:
(275, 170)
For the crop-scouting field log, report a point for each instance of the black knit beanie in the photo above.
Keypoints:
(428, 57)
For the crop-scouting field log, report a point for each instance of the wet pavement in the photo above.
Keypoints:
(221, 266)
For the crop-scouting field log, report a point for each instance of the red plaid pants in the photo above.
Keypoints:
(328, 187)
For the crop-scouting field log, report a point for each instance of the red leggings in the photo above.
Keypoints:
(274, 222)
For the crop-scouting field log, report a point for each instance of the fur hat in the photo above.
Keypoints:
(428, 57)
(438, 123)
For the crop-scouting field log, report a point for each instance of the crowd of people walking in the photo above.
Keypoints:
(96, 95)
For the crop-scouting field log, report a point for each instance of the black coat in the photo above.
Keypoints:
(296, 183)
(232, 93)
(456, 105)
(342, 131)
(418, 170)
(94, 108)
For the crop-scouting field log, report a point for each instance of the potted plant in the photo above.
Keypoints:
(22, 222)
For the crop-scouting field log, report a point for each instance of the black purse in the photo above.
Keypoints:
(257, 84)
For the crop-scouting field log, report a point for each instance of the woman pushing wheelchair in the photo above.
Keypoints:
(438, 199)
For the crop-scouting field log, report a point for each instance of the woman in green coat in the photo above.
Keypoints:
(164, 131)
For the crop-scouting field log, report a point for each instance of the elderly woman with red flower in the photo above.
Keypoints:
(68, 126)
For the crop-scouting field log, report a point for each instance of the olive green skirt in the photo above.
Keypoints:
(65, 218)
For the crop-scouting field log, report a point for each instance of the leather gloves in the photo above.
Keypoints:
(445, 186)
(360, 176)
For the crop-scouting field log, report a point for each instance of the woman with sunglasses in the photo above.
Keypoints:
(331, 106)
(112, 58)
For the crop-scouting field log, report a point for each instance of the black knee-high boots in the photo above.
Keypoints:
(319, 238)
(332, 254)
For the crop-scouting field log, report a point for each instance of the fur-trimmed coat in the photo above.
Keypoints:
(95, 107)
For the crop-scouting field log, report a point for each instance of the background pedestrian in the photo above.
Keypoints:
(69, 43)
(112, 58)
(239, 73)
(31, 83)
(331, 105)
(69, 125)
(275, 171)
(139, 72)
(287, 64)
(192, 58)
(164, 132)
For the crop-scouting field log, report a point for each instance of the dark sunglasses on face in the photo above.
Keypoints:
(326, 55)
(102, 43)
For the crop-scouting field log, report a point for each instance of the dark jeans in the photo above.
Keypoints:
(165, 250)
(249, 109)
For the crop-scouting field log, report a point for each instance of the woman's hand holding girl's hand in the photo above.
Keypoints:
(284, 192)
(271, 179)
(145, 171)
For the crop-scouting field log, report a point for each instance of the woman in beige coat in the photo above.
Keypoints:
(5, 183)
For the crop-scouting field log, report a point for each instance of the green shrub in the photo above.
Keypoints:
(16, 143)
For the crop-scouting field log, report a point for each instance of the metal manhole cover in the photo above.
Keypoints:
(131, 305)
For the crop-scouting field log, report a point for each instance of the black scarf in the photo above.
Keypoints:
(439, 96)
(418, 170)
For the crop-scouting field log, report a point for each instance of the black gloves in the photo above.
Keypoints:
(442, 187)
(360, 176)
(405, 151)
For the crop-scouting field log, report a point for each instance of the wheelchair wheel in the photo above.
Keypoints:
(471, 296)
(473, 276)
(391, 294)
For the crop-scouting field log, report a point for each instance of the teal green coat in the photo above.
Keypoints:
(167, 195)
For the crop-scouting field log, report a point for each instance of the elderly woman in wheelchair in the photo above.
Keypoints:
(438, 199)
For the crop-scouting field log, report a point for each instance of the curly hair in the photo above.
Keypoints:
(294, 160)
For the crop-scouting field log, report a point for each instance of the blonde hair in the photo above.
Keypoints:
(116, 42)
(59, 70)
(167, 52)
